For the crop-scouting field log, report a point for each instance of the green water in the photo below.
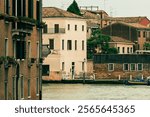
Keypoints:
(95, 92)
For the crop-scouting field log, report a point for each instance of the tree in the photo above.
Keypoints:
(99, 40)
(146, 46)
(73, 8)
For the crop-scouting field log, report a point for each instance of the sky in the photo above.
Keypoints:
(112, 7)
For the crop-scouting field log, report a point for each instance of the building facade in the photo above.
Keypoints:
(122, 66)
(65, 36)
(19, 49)
(122, 45)
(133, 32)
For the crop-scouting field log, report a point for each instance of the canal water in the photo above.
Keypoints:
(95, 92)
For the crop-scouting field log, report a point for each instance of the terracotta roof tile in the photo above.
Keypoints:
(119, 39)
(56, 12)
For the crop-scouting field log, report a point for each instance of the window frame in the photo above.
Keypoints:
(109, 66)
(124, 67)
(138, 67)
(131, 67)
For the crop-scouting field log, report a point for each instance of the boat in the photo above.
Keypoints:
(137, 82)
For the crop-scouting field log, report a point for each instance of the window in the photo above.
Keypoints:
(125, 67)
(45, 70)
(144, 34)
(140, 67)
(20, 49)
(68, 26)
(132, 67)
(63, 66)
(45, 29)
(6, 85)
(56, 28)
(37, 86)
(22, 87)
(51, 43)
(110, 67)
(75, 27)
(83, 68)
(82, 27)
(30, 8)
(14, 4)
(82, 45)
(29, 89)
(6, 46)
(21, 7)
(75, 44)
(7, 6)
(123, 50)
(37, 10)
(139, 33)
(14, 87)
(63, 45)
(128, 50)
(131, 50)
(37, 49)
(69, 45)
(29, 49)
(118, 49)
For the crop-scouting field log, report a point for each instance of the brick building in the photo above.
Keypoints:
(20, 49)
(134, 32)
(123, 66)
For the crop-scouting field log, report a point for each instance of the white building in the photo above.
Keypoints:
(65, 36)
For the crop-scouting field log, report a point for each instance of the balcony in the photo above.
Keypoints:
(54, 31)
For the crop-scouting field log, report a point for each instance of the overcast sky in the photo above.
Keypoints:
(112, 7)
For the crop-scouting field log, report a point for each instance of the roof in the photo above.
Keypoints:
(49, 12)
(92, 14)
(134, 25)
(128, 19)
(119, 39)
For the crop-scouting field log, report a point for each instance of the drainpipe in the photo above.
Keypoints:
(40, 52)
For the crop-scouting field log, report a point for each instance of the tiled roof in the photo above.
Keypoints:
(127, 19)
(92, 14)
(119, 39)
(134, 25)
(49, 12)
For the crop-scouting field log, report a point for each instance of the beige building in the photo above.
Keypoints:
(19, 49)
(122, 45)
(65, 37)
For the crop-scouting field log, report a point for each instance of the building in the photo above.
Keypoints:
(20, 49)
(133, 32)
(65, 37)
(122, 45)
(121, 66)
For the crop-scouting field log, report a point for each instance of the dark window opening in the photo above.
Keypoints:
(20, 49)
(30, 8)
(37, 10)
(56, 28)
(69, 45)
(51, 43)
(7, 6)
(68, 26)
(63, 44)
(14, 7)
(45, 29)
(45, 70)
(75, 27)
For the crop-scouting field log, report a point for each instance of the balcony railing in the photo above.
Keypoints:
(54, 30)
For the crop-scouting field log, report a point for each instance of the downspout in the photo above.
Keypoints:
(40, 52)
